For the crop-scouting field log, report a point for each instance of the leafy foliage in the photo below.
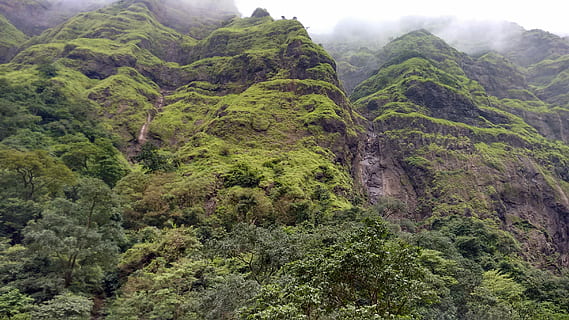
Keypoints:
(368, 274)
(14, 304)
(78, 237)
(64, 306)
(36, 171)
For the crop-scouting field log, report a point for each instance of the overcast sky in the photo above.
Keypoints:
(322, 15)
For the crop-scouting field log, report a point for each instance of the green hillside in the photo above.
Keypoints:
(10, 39)
(170, 160)
(465, 150)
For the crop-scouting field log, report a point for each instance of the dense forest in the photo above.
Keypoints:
(172, 160)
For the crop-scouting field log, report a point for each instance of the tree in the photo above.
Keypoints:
(79, 236)
(65, 306)
(14, 216)
(368, 276)
(98, 159)
(106, 163)
(262, 251)
(165, 276)
(14, 304)
(47, 70)
(36, 170)
(498, 297)
(221, 302)
(152, 160)
(388, 206)
(79, 156)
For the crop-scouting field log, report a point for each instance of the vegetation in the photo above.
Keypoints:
(10, 39)
(149, 174)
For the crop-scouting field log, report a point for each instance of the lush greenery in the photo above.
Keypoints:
(148, 174)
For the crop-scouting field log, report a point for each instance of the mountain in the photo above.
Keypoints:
(35, 16)
(471, 149)
(169, 160)
(251, 93)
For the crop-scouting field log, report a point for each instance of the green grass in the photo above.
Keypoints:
(125, 100)
(10, 36)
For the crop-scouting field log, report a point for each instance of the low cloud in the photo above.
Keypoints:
(471, 36)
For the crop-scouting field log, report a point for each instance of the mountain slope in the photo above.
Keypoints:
(194, 17)
(159, 157)
(253, 95)
(34, 16)
(10, 39)
(438, 140)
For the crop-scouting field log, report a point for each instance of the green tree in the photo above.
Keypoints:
(14, 304)
(99, 159)
(47, 70)
(369, 275)
(221, 302)
(79, 156)
(36, 170)
(242, 175)
(79, 236)
(14, 216)
(152, 160)
(66, 306)
(166, 276)
(13, 109)
(498, 297)
(262, 251)
(388, 206)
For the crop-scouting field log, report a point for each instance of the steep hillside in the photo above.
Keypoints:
(254, 97)
(10, 39)
(439, 140)
(243, 123)
(34, 16)
(167, 159)
(534, 46)
(547, 66)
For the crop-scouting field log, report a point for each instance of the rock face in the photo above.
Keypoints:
(449, 134)
(260, 13)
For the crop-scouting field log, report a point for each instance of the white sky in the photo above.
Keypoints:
(322, 15)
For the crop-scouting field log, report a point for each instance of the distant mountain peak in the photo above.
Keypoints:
(35, 16)
(260, 13)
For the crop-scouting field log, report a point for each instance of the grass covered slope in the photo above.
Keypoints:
(246, 124)
(10, 39)
(261, 125)
(440, 141)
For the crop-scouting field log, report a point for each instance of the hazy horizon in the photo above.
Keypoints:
(321, 17)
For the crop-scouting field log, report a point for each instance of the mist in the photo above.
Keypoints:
(322, 17)
(35, 16)
(87, 5)
(470, 36)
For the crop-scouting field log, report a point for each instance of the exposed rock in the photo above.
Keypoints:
(534, 46)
